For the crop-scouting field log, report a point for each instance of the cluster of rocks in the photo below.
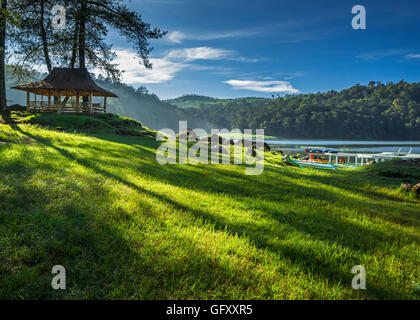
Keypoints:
(189, 135)
(408, 187)
(16, 107)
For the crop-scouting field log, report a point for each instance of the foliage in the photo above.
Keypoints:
(88, 23)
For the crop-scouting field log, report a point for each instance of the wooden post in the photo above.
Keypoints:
(90, 103)
(77, 101)
(105, 104)
(35, 102)
(59, 102)
(49, 100)
(27, 99)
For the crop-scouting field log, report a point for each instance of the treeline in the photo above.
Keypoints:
(376, 111)
(198, 101)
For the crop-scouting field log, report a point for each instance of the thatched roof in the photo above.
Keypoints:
(68, 82)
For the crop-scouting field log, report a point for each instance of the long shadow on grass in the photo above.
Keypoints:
(333, 225)
(305, 260)
(99, 260)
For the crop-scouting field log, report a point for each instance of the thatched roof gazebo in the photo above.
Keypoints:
(74, 83)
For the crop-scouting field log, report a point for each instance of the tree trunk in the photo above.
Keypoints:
(44, 38)
(3, 104)
(74, 48)
(82, 38)
(73, 53)
(82, 34)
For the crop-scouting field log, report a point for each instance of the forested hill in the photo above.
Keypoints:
(375, 111)
(197, 101)
(147, 108)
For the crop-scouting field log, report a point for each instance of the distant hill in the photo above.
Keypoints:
(197, 101)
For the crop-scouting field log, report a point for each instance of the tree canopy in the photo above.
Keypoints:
(82, 43)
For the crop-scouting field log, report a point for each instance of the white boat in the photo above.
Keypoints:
(334, 160)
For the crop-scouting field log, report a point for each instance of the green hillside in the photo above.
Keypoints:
(197, 101)
(77, 192)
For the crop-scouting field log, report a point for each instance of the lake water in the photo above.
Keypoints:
(346, 145)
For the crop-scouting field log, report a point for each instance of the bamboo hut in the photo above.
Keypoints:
(65, 82)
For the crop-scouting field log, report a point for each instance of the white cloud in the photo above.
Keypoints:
(163, 70)
(200, 53)
(179, 36)
(263, 86)
(413, 56)
(175, 36)
(166, 67)
(379, 54)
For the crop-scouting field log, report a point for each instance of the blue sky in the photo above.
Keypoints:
(238, 48)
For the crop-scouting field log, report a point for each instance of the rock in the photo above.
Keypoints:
(187, 134)
(16, 107)
(266, 146)
(216, 138)
(251, 152)
(219, 149)
(416, 189)
(407, 187)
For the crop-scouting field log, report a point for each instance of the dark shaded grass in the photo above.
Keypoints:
(104, 263)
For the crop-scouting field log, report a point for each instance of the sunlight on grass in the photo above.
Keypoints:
(126, 227)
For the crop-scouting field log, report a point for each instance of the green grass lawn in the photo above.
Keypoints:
(126, 227)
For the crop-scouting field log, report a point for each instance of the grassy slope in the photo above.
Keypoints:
(126, 227)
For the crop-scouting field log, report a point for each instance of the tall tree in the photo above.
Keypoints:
(36, 42)
(3, 21)
(5, 16)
